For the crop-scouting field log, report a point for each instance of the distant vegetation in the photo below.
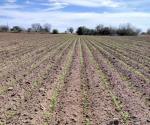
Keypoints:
(55, 31)
(16, 29)
(123, 30)
(36, 27)
(70, 30)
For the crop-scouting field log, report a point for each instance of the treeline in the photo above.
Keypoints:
(123, 30)
(36, 27)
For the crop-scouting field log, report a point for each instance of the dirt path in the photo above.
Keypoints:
(69, 110)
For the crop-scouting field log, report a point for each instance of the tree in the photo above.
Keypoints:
(103, 30)
(123, 30)
(128, 30)
(16, 29)
(55, 31)
(36, 27)
(81, 30)
(71, 30)
(47, 27)
(99, 29)
(4, 28)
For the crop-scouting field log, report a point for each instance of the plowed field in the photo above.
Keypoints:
(74, 80)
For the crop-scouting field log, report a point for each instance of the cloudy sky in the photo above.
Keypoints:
(65, 13)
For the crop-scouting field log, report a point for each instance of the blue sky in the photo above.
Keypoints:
(65, 13)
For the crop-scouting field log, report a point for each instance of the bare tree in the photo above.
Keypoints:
(99, 28)
(36, 27)
(127, 29)
(70, 30)
(47, 27)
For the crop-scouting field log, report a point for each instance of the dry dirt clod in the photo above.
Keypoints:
(41, 90)
(42, 107)
(10, 88)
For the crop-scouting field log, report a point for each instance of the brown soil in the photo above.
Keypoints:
(44, 81)
(69, 109)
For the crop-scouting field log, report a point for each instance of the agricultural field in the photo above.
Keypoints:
(74, 80)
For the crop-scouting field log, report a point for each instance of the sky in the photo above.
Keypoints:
(62, 14)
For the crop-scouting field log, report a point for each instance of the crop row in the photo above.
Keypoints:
(60, 82)
(120, 87)
(84, 86)
(132, 53)
(138, 80)
(105, 83)
(34, 86)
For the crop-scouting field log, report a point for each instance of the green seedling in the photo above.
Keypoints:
(115, 100)
(84, 91)
(61, 80)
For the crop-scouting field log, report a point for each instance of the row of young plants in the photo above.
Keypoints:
(126, 51)
(136, 66)
(138, 49)
(45, 73)
(84, 82)
(60, 82)
(27, 60)
(129, 73)
(105, 82)
(135, 43)
(139, 52)
(14, 52)
(33, 87)
(39, 46)
(132, 43)
(45, 80)
(13, 80)
(58, 58)
(17, 55)
(130, 97)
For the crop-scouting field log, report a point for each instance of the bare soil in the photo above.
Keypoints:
(74, 80)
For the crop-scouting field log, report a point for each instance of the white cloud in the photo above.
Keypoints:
(90, 3)
(62, 20)
(54, 6)
(11, 1)
(11, 6)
